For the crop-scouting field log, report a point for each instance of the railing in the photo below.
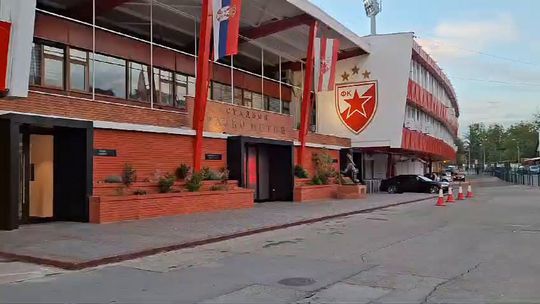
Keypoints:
(373, 185)
(519, 178)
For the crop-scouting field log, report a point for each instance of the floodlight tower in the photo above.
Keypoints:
(373, 7)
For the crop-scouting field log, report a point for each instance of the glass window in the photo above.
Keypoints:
(286, 108)
(35, 65)
(217, 91)
(257, 101)
(139, 84)
(238, 96)
(53, 66)
(78, 70)
(110, 76)
(182, 89)
(247, 101)
(163, 87)
(274, 105)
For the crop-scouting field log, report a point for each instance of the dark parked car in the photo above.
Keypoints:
(412, 183)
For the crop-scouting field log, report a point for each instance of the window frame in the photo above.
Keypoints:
(87, 75)
(42, 64)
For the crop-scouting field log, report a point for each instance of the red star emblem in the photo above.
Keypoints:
(356, 104)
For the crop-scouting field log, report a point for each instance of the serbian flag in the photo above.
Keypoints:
(226, 16)
(326, 54)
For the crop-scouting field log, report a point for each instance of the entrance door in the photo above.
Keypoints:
(41, 178)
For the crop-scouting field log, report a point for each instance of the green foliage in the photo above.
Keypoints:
(500, 144)
(129, 175)
(182, 172)
(224, 175)
(166, 183)
(113, 180)
(300, 172)
(324, 168)
(139, 192)
(316, 180)
(209, 174)
(195, 182)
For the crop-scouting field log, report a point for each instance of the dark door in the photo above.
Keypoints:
(281, 173)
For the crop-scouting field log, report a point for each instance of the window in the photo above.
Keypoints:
(139, 84)
(53, 66)
(257, 101)
(247, 99)
(238, 96)
(163, 87)
(274, 105)
(78, 70)
(110, 78)
(221, 92)
(35, 65)
(286, 108)
(184, 86)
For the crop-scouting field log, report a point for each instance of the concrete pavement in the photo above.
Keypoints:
(483, 250)
(80, 245)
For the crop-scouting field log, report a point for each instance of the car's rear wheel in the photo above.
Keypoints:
(392, 189)
(433, 189)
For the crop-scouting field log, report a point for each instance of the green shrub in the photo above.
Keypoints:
(182, 172)
(224, 175)
(166, 183)
(113, 180)
(139, 192)
(324, 167)
(316, 180)
(195, 182)
(129, 175)
(300, 172)
(209, 174)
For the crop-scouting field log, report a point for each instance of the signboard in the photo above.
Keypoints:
(105, 152)
(211, 156)
(356, 104)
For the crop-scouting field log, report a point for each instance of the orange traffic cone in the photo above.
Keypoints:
(460, 196)
(470, 194)
(440, 200)
(450, 198)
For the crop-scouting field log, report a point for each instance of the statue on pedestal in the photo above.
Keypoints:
(351, 170)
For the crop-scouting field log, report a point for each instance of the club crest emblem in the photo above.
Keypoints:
(356, 104)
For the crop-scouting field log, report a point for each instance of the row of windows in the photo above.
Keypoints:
(426, 80)
(246, 98)
(418, 120)
(71, 68)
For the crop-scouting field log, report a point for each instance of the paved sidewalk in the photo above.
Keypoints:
(80, 245)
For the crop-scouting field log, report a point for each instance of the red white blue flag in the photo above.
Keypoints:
(226, 16)
(326, 55)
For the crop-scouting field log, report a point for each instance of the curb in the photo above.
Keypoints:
(168, 248)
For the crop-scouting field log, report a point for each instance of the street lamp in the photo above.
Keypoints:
(373, 7)
(483, 145)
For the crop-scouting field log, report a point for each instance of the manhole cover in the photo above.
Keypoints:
(297, 281)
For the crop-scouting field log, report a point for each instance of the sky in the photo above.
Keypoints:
(490, 49)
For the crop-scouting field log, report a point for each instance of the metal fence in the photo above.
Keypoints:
(373, 185)
(518, 178)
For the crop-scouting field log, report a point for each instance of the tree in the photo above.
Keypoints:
(476, 137)
(524, 136)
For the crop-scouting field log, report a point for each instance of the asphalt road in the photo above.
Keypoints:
(477, 251)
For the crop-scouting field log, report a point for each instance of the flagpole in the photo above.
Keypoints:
(306, 98)
(201, 83)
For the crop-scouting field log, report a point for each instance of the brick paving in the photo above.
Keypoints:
(81, 245)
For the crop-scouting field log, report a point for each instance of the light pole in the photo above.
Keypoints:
(483, 145)
(373, 7)
(518, 150)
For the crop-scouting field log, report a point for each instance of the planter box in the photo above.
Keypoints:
(108, 189)
(315, 192)
(109, 209)
(351, 191)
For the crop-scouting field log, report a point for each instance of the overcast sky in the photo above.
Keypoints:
(490, 49)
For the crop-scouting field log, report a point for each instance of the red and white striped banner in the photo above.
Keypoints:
(326, 55)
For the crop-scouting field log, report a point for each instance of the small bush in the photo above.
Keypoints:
(182, 172)
(139, 192)
(324, 168)
(224, 175)
(129, 176)
(209, 174)
(166, 183)
(113, 180)
(300, 172)
(195, 182)
(316, 180)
